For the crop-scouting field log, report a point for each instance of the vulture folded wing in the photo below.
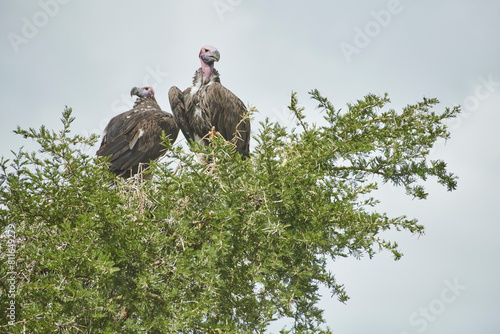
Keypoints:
(134, 137)
(176, 99)
(228, 115)
(143, 143)
(117, 133)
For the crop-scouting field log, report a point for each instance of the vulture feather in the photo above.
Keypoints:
(209, 104)
(133, 138)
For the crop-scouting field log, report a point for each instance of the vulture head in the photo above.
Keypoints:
(208, 56)
(144, 91)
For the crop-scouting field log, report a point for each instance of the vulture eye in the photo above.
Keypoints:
(206, 50)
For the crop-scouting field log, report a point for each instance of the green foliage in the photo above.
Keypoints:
(223, 247)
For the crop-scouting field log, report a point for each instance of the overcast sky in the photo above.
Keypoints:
(89, 54)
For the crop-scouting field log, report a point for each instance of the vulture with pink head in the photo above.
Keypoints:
(209, 104)
(132, 139)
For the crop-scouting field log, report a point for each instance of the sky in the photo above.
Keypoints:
(89, 54)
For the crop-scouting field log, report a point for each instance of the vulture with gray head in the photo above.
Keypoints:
(209, 104)
(133, 138)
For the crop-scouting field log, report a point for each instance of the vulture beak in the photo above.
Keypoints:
(134, 91)
(215, 55)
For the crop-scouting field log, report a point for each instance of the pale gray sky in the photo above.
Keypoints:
(89, 54)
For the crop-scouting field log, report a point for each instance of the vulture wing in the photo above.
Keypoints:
(227, 114)
(134, 138)
(176, 99)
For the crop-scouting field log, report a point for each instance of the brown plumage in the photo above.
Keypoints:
(132, 139)
(209, 104)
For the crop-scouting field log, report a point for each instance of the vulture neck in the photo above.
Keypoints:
(206, 70)
(199, 78)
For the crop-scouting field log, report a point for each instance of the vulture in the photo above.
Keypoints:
(208, 104)
(133, 138)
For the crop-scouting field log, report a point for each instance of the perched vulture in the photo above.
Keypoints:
(208, 104)
(132, 138)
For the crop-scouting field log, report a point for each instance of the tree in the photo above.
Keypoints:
(223, 247)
